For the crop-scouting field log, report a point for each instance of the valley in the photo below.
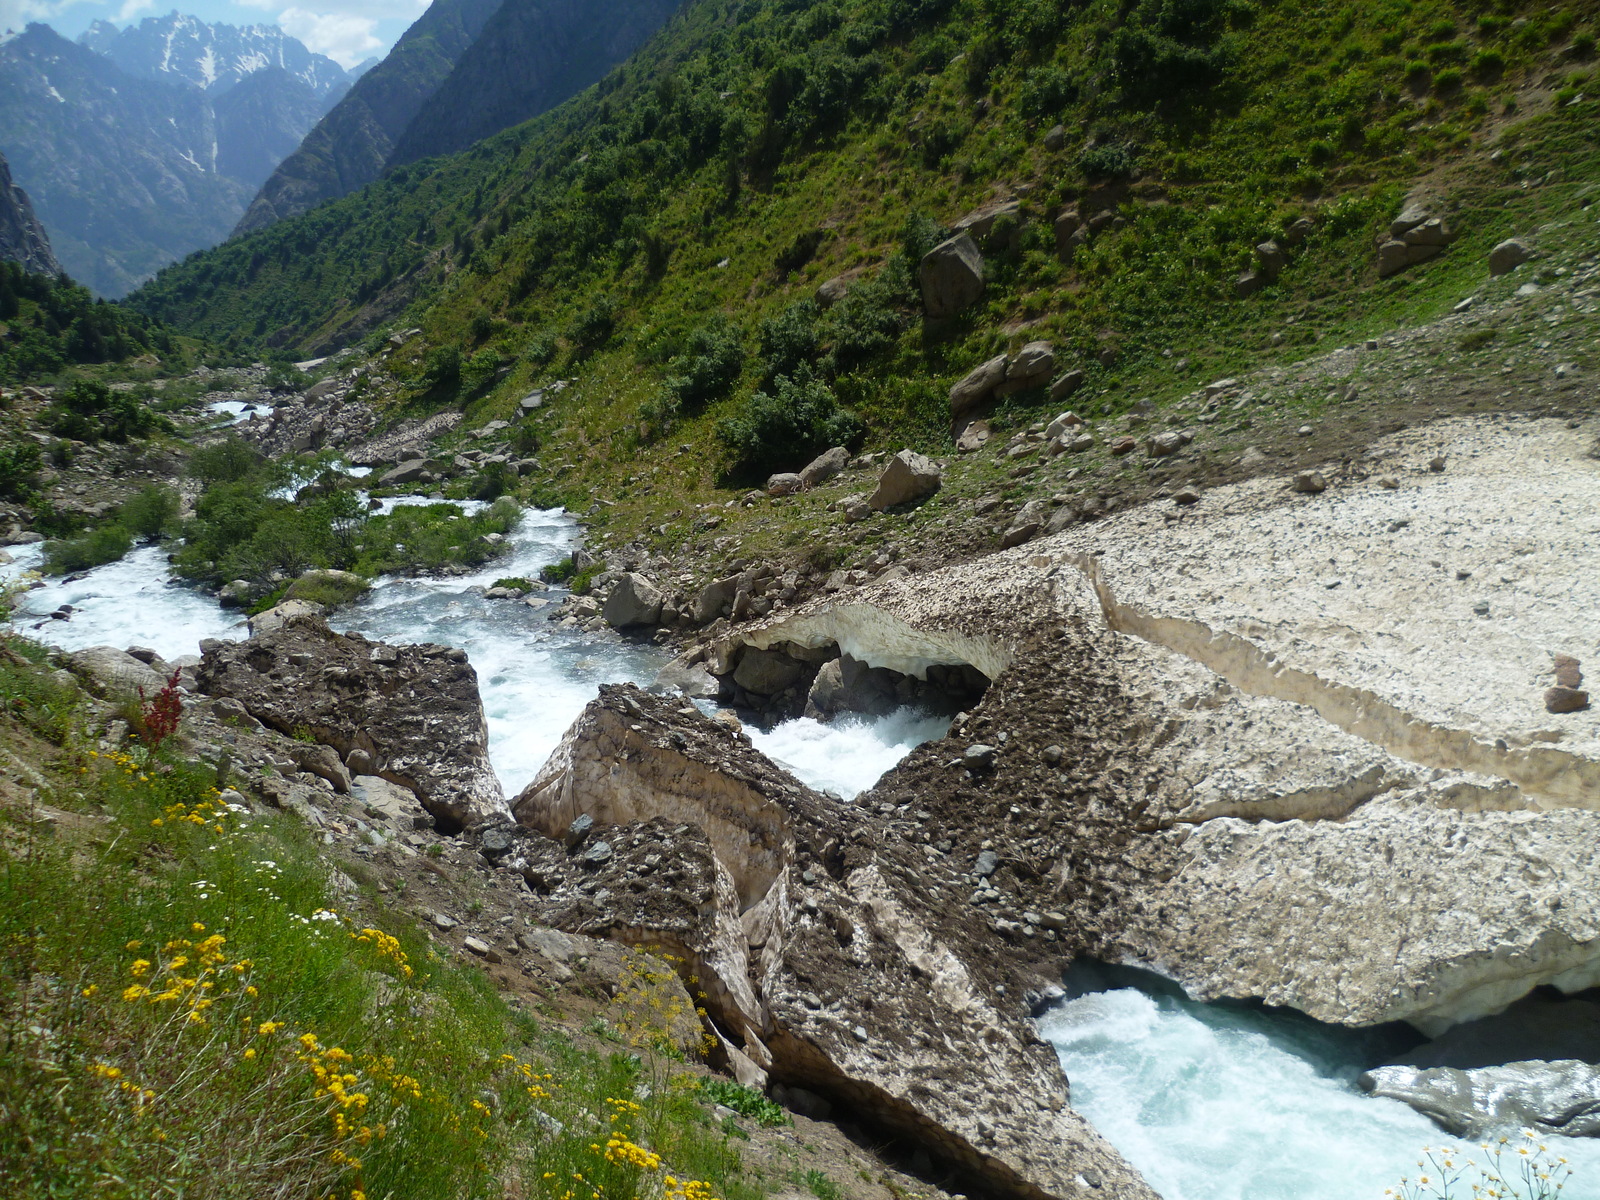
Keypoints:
(875, 599)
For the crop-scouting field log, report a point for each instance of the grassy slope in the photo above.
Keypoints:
(184, 1011)
(750, 131)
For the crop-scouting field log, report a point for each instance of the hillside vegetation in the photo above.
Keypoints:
(47, 325)
(661, 236)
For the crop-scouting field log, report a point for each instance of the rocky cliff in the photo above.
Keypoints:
(351, 145)
(531, 56)
(22, 237)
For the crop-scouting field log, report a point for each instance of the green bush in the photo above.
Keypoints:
(226, 461)
(19, 467)
(150, 514)
(780, 428)
(106, 544)
(747, 1102)
(478, 372)
(89, 411)
(559, 572)
(710, 365)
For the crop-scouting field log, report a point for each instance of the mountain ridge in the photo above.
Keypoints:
(22, 237)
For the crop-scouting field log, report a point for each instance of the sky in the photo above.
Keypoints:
(345, 30)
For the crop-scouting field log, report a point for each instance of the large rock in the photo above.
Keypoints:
(114, 673)
(280, 615)
(410, 471)
(829, 960)
(1561, 1098)
(908, 477)
(414, 710)
(952, 277)
(766, 672)
(977, 386)
(1508, 256)
(633, 600)
(824, 466)
(1030, 367)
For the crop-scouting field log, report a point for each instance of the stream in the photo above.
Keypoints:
(534, 677)
(1234, 1102)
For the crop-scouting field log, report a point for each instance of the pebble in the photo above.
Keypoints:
(440, 921)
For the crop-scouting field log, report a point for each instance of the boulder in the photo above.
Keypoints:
(1160, 445)
(977, 386)
(974, 437)
(784, 483)
(766, 672)
(414, 710)
(1395, 256)
(908, 477)
(831, 291)
(1065, 386)
(1030, 367)
(1066, 226)
(1561, 1098)
(1030, 519)
(824, 467)
(633, 600)
(1508, 256)
(1055, 138)
(855, 508)
(115, 674)
(1272, 258)
(410, 471)
(980, 222)
(1309, 483)
(952, 278)
(1565, 700)
(279, 615)
(713, 598)
(1248, 283)
(690, 679)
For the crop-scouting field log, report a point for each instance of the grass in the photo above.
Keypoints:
(187, 1012)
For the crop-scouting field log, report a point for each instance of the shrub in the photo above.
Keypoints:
(151, 513)
(225, 461)
(558, 572)
(1447, 80)
(478, 372)
(790, 340)
(747, 1102)
(592, 328)
(1488, 64)
(709, 366)
(89, 411)
(19, 466)
(92, 549)
(442, 367)
(794, 421)
(1107, 160)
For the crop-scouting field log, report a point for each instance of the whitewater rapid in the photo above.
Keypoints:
(534, 676)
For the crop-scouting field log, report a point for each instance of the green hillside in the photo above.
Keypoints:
(47, 325)
(660, 237)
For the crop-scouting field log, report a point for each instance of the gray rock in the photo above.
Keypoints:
(1414, 214)
(978, 386)
(1030, 367)
(1030, 519)
(115, 673)
(979, 755)
(1065, 386)
(1056, 138)
(974, 437)
(410, 471)
(1561, 1097)
(444, 923)
(1309, 483)
(1160, 445)
(1508, 256)
(824, 467)
(908, 477)
(691, 679)
(578, 830)
(596, 855)
(482, 949)
(633, 600)
(766, 672)
(1248, 283)
(988, 862)
(855, 508)
(784, 483)
(831, 291)
(951, 275)
(1272, 258)
(496, 840)
(713, 598)
(280, 615)
(980, 222)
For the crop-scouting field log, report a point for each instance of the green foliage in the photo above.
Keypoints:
(820, 1186)
(747, 1102)
(19, 468)
(47, 325)
(419, 538)
(106, 544)
(89, 411)
(781, 428)
(514, 582)
(559, 572)
(198, 993)
(227, 461)
(152, 513)
(327, 588)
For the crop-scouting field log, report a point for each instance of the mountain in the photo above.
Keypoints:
(213, 58)
(260, 121)
(22, 238)
(122, 171)
(350, 146)
(532, 55)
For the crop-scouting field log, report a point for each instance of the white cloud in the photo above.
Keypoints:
(14, 14)
(132, 8)
(344, 37)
